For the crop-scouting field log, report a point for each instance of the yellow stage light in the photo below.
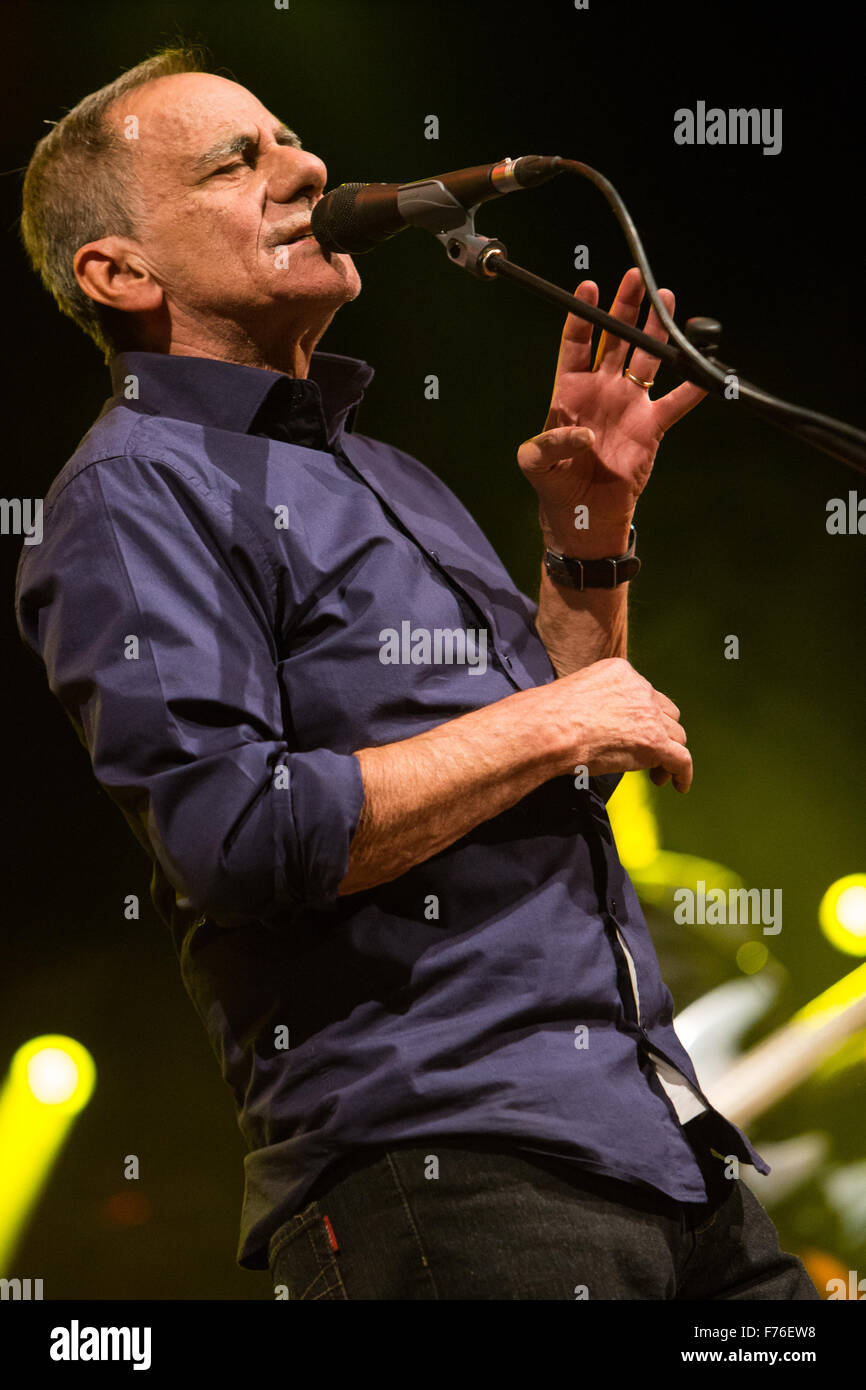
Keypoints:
(842, 914)
(655, 872)
(633, 822)
(50, 1081)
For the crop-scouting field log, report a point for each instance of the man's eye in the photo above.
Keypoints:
(227, 168)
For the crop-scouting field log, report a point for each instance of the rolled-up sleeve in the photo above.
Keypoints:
(152, 605)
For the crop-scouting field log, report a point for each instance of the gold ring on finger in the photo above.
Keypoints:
(637, 381)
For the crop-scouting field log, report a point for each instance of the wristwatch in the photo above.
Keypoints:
(593, 574)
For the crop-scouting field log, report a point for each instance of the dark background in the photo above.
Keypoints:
(731, 530)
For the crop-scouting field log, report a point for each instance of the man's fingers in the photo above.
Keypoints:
(677, 403)
(659, 776)
(674, 730)
(575, 348)
(668, 706)
(679, 763)
(643, 365)
(611, 353)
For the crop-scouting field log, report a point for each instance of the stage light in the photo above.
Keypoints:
(655, 872)
(842, 914)
(633, 822)
(851, 909)
(50, 1081)
(835, 1001)
(52, 1076)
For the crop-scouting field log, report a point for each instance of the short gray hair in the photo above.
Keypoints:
(79, 187)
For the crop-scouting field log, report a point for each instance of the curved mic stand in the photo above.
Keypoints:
(429, 204)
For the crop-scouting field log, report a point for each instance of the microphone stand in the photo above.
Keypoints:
(428, 204)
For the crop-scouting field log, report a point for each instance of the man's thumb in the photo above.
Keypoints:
(551, 446)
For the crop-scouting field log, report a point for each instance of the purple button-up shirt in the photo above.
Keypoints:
(234, 592)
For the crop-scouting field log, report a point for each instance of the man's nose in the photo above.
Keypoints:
(295, 173)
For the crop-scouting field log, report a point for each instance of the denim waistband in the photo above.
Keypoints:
(637, 1196)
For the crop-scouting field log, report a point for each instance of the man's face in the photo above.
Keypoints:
(224, 185)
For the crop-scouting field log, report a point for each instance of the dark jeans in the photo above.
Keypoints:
(500, 1224)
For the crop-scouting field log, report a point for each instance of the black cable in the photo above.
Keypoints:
(771, 406)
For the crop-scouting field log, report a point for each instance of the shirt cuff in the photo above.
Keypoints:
(327, 796)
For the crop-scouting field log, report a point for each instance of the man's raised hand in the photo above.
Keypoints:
(602, 430)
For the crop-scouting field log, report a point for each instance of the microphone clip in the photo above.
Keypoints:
(430, 205)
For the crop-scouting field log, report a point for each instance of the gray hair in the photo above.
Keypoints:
(79, 187)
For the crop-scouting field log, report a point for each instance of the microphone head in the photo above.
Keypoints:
(356, 217)
(331, 219)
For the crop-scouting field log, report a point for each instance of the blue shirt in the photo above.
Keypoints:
(235, 591)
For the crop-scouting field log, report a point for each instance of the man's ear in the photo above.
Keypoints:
(113, 272)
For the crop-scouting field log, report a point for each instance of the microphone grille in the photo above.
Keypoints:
(332, 218)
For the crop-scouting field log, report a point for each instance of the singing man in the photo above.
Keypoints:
(392, 884)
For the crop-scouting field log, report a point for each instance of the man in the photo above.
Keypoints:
(370, 773)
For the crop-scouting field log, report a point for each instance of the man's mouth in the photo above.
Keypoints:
(304, 234)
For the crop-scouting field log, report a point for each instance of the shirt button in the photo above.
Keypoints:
(434, 555)
(613, 906)
(507, 660)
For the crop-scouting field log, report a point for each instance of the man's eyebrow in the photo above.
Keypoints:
(239, 144)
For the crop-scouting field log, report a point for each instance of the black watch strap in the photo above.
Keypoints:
(593, 574)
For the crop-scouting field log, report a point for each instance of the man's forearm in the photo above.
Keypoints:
(423, 793)
(581, 626)
(578, 627)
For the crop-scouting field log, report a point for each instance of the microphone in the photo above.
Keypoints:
(357, 217)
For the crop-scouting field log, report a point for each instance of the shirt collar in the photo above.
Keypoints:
(312, 410)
